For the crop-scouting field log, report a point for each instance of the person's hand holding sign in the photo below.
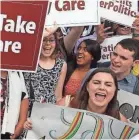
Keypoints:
(50, 30)
(103, 32)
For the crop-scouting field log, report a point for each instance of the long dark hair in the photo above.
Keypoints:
(93, 47)
(83, 95)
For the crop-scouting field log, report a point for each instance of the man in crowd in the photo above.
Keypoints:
(123, 59)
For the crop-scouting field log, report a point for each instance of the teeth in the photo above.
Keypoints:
(101, 94)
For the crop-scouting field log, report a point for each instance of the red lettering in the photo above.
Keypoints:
(101, 3)
(81, 5)
(111, 4)
(56, 6)
(70, 5)
(66, 6)
(133, 13)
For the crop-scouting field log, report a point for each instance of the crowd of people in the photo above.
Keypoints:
(70, 75)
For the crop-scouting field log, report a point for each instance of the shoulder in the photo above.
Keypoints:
(105, 64)
(123, 118)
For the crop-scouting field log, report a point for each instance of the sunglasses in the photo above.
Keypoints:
(122, 26)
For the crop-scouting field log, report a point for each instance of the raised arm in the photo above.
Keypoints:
(72, 37)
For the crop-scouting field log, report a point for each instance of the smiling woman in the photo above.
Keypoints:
(99, 93)
(45, 86)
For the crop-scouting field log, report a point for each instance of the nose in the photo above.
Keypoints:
(80, 50)
(116, 59)
(102, 86)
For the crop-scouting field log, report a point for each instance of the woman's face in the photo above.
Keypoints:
(122, 30)
(101, 89)
(48, 46)
(83, 57)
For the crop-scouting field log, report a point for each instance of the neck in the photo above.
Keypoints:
(121, 76)
(42, 58)
(96, 109)
(83, 68)
(4, 74)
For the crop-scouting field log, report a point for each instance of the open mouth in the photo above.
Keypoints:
(100, 96)
(79, 56)
(115, 66)
(47, 50)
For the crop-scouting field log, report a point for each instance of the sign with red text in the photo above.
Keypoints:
(108, 45)
(129, 105)
(21, 26)
(119, 11)
(73, 12)
(69, 123)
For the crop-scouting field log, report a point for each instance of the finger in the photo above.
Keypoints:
(29, 120)
(109, 33)
(107, 29)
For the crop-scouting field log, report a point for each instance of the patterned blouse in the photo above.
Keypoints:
(72, 86)
(3, 95)
(43, 83)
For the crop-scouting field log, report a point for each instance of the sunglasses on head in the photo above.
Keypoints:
(122, 26)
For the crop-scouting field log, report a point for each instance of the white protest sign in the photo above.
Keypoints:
(129, 105)
(55, 122)
(73, 13)
(108, 45)
(119, 11)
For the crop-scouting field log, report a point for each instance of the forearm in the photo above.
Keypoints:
(71, 39)
(22, 117)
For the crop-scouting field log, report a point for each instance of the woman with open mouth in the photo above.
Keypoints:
(45, 86)
(88, 53)
(99, 94)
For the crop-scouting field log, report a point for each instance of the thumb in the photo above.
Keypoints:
(12, 137)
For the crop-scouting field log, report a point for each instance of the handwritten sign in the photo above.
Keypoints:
(69, 123)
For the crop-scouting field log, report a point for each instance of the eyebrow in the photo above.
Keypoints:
(105, 81)
(120, 55)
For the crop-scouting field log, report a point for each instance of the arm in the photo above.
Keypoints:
(59, 87)
(102, 33)
(136, 30)
(123, 118)
(72, 37)
(22, 118)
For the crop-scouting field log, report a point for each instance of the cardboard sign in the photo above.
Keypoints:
(108, 45)
(119, 11)
(21, 26)
(73, 13)
(129, 105)
(69, 123)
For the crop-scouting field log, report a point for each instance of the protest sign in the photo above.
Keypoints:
(73, 12)
(129, 105)
(69, 123)
(119, 11)
(21, 33)
(108, 45)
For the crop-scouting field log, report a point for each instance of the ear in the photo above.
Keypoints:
(135, 62)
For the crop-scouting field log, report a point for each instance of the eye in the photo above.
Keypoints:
(85, 49)
(52, 40)
(115, 54)
(123, 58)
(109, 84)
(95, 82)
